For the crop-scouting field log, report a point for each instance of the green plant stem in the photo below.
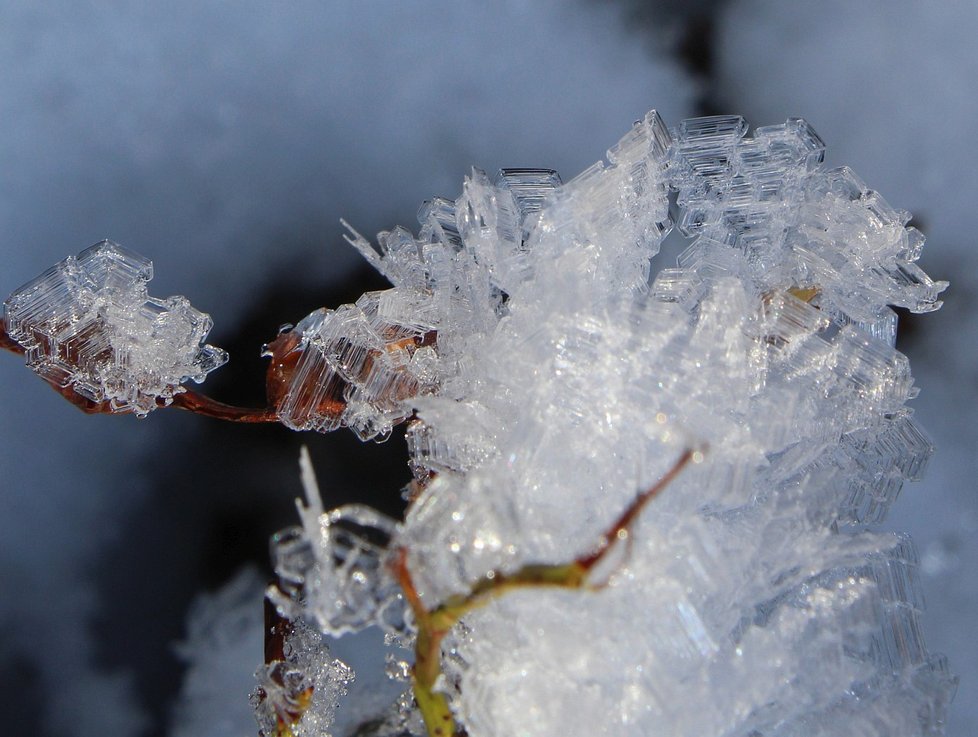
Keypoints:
(433, 625)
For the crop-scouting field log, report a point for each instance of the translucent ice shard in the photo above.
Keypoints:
(337, 569)
(89, 327)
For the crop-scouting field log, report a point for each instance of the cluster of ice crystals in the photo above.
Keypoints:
(88, 324)
(356, 364)
(302, 689)
(751, 598)
(333, 568)
(767, 196)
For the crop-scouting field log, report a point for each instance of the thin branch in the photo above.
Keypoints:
(434, 624)
(621, 528)
(188, 400)
(201, 404)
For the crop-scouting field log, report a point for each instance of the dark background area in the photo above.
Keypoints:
(225, 139)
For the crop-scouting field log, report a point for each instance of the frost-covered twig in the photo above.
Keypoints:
(545, 372)
(434, 625)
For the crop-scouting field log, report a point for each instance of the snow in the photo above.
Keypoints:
(887, 85)
(207, 134)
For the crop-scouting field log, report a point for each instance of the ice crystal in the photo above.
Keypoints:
(333, 566)
(354, 366)
(88, 325)
(301, 690)
(752, 598)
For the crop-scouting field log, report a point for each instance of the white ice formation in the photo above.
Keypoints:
(88, 325)
(753, 599)
(333, 566)
(358, 358)
(307, 680)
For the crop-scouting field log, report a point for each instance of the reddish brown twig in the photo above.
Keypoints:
(187, 400)
(622, 526)
(201, 404)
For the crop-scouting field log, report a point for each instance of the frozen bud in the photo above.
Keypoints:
(354, 366)
(88, 327)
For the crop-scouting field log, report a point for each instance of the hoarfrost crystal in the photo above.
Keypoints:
(559, 378)
(88, 325)
(300, 690)
(334, 566)
(352, 366)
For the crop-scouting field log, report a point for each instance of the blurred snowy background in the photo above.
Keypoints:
(225, 139)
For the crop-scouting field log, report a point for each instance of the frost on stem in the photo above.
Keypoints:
(753, 598)
(547, 372)
(434, 624)
(300, 684)
(354, 366)
(88, 327)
